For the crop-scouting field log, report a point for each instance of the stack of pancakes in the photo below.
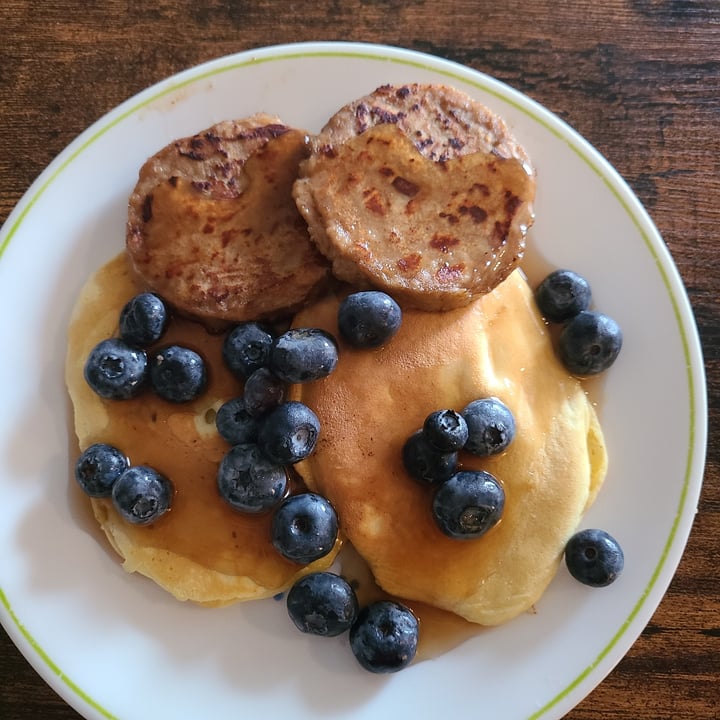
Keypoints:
(417, 190)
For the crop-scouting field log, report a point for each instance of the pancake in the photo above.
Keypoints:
(420, 191)
(375, 399)
(212, 226)
(201, 550)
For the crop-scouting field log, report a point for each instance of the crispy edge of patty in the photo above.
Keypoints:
(442, 121)
(213, 158)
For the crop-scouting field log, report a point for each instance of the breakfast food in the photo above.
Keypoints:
(420, 191)
(496, 346)
(415, 410)
(212, 226)
(322, 603)
(594, 557)
(201, 549)
(384, 637)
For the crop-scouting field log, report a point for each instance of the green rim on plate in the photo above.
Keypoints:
(412, 59)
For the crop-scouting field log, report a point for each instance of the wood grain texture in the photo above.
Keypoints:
(640, 79)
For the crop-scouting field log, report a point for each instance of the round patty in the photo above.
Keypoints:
(212, 226)
(421, 191)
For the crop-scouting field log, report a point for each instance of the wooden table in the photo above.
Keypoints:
(640, 79)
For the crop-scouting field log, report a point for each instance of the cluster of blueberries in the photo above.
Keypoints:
(268, 433)
(139, 493)
(120, 368)
(383, 635)
(590, 341)
(466, 503)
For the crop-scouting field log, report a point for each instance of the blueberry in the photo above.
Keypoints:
(249, 481)
(589, 343)
(304, 528)
(491, 426)
(322, 603)
(247, 348)
(426, 463)
(303, 354)
(446, 430)
(468, 504)
(177, 374)
(384, 637)
(142, 495)
(143, 320)
(368, 319)
(98, 467)
(562, 295)
(263, 391)
(594, 557)
(115, 371)
(235, 424)
(288, 433)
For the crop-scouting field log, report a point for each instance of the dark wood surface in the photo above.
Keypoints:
(639, 79)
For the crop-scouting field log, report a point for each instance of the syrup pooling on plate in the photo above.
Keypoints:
(440, 630)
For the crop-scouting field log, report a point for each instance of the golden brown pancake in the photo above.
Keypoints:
(420, 191)
(201, 550)
(212, 226)
(496, 346)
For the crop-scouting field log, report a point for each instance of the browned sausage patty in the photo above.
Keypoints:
(212, 226)
(421, 191)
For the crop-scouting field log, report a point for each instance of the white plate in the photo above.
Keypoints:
(115, 646)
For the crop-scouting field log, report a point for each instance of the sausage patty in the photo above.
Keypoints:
(212, 226)
(418, 190)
